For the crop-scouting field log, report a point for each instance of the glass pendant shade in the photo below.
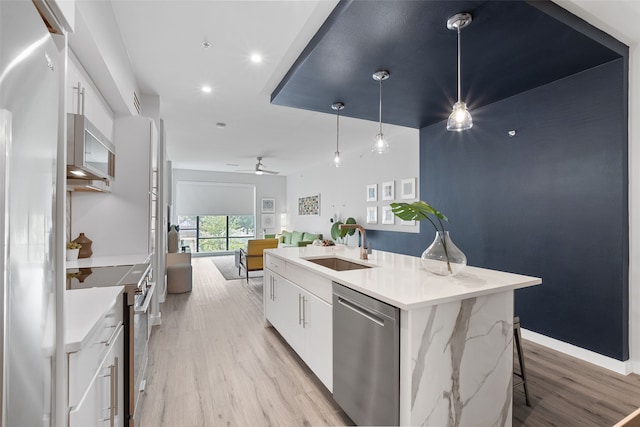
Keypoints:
(336, 159)
(460, 118)
(380, 145)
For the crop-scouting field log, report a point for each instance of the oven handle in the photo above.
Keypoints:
(147, 300)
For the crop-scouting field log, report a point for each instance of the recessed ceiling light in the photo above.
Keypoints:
(221, 125)
(256, 58)
(206, 89)
(233, 165)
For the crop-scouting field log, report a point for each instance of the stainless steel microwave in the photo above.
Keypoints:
(90, 155)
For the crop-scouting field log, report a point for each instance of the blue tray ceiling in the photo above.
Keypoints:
(510, 47)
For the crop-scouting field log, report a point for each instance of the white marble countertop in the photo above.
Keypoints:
(110, 260)
(83, 308)
(400, 280)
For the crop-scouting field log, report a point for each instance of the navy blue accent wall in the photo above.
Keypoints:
(550, 202)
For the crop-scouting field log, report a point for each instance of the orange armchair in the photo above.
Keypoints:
(251, 258)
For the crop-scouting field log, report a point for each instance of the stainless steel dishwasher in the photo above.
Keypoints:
(366, 357)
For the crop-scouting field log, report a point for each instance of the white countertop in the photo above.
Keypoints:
(110, 260)
(83, 308)
(400, 280)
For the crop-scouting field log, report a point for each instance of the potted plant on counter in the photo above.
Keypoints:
(73, 249)
(442, 257)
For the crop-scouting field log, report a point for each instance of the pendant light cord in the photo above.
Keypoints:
(459, 90)
(338, 131)
(380, 110)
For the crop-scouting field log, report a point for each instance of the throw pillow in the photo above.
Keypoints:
(286, 237)
(296, 237)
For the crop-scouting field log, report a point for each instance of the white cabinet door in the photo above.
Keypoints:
(318, 342)
(304, 321)
(289, 312)
(270, 310)
(102, 404)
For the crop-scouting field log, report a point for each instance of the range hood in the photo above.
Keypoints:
(89, 185)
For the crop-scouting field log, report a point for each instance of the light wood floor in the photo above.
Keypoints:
(213, 363)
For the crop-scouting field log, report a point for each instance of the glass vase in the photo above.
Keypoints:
(443, 257)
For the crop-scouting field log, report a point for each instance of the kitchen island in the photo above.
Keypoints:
(456, 333)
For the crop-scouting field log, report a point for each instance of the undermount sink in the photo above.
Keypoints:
(337, 264)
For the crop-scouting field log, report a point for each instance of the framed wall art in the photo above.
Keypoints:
(268, 220)
(388, 190)
(372, 215)
(309, 205)
(372, 193)
(268, 205)
(387, 215)
(408, 188)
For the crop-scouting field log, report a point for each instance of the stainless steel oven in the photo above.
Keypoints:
(142, 329)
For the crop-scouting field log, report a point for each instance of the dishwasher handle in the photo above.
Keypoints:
(361, 311)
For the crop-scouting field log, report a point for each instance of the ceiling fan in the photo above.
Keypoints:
(259, 169)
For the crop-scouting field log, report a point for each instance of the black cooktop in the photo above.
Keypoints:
(91, 277)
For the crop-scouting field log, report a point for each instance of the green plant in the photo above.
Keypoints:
(73, 245)
(419, 211)
(337, 233)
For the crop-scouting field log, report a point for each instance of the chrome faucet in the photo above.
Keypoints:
(363, 247)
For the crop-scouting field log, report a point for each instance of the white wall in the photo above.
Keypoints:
(343, 190)
(267, 186)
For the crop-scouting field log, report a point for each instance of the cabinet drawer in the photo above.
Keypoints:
(84, 363)
(275, 264)
(314, 283)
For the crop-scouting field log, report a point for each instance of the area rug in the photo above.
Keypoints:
(229, 271)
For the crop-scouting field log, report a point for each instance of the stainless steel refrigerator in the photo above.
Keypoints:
(29, 105)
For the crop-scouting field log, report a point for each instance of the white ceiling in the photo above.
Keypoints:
(164, 41)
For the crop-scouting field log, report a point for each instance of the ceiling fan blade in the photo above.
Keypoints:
(271, 172)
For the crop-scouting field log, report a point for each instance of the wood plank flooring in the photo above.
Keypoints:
(213, 363)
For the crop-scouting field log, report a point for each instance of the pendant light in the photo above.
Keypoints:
(460, 118)
(336, 158)
(380, 145)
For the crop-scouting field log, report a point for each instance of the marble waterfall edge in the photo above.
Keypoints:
(462, 362)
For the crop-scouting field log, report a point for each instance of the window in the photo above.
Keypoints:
(216, 233)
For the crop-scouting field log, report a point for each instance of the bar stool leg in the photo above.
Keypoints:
(523, 371)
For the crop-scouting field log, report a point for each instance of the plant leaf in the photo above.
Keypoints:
(352, 231)
(417, 211)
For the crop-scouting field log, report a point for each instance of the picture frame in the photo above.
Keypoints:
(408, 188)
(372, 193)
(268, 205)
(309, 205)
(411, 222)
(388, 190)
(268, 221)
(372, 215)
(387, 215)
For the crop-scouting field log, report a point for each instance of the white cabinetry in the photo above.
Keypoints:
(96, 362)
(84, 98)
(102, 402)
(304, 320)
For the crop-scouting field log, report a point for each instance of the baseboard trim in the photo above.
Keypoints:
(620, 367)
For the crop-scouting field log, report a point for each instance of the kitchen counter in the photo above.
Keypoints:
(456, 333)
(109, 260)
(400, 280)
(83, 308)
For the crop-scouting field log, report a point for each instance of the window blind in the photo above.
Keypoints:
(210, 198)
